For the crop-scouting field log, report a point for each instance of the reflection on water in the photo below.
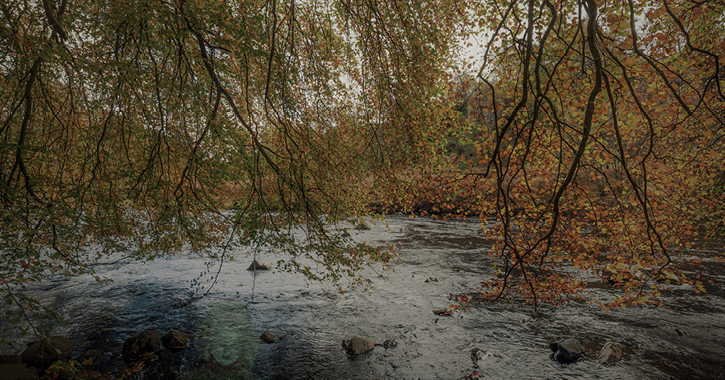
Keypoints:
(227, 337)
(685, 339)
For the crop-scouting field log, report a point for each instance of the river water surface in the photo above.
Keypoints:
(683, 340)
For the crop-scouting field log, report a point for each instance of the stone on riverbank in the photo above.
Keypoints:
(42, 354)
(358, 345)
(610, 353)
(260, 265)
(136, 347)
(568, 351)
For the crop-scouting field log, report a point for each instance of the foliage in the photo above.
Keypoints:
(138, 128)
(603, 146)
(134, 129)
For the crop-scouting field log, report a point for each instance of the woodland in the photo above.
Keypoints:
(592, 132)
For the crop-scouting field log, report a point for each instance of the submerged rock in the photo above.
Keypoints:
(610, 353)
(260, 265)
(358, 345)
(477, 355)
(442, 312)
(175, 340)
(42, 354)
(268, 337)
(136, 347)
(568, 351)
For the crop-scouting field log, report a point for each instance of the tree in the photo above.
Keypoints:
(146, 127)
(606, 141)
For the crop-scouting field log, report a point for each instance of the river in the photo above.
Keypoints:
(685, 339)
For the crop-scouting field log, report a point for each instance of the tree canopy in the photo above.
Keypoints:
(592, 132)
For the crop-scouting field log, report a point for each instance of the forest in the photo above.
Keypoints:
(591, 131)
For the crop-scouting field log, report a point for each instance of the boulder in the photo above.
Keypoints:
(610, 353)
(174, 340)
(357, 345)
(17, 372)
(42, 354)
(568, 351)
(268, 337)
(136, 347)
(260, 265)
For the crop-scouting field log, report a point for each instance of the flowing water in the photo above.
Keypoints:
(684, 340)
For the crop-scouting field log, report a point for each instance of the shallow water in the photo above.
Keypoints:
(314, 319)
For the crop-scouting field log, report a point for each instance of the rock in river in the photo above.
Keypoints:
(42, 354)
(610, 353)
(137, 346)
(268, 337)
(358, 345)
(260, 265)
(477, 355)
(174, 340)
(568, 351)
(442, 312)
